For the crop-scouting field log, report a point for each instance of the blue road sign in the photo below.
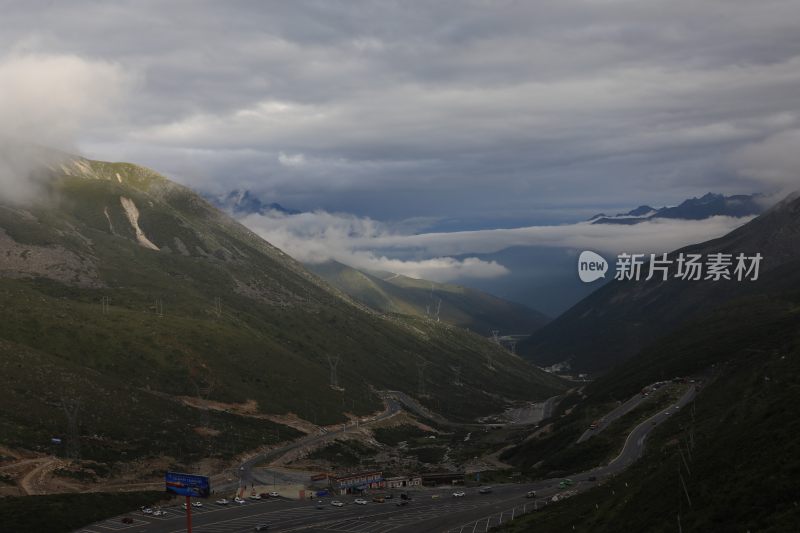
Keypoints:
(188, 484)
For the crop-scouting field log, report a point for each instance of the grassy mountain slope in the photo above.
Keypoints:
(461, 306)
(199, 305)
(736, 448)
(622, 317)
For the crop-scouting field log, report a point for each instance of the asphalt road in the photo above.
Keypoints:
(618, 412)
(429, 511)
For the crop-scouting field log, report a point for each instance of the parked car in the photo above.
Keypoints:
(459, 494)
(592, 478)
(401, 503)
(197, 504)
(337, 503)
(254, 497)
(261, 527)
(378, 499)
(147, 510)
(320, 505)
(485, 490)
(531, 494)
(274, 494)
(239, 500)
(223, 501)
(360, 501)
(127, 520)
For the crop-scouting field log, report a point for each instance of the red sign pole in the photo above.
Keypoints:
(188, 514)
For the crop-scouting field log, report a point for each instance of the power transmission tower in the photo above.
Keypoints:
(513, 347)
(457, 372)
(159, 306)
(105, 304)
(218, 307)
(421, 364)
(333, 362)
(72, 408)
(496, 336)
(438, 309)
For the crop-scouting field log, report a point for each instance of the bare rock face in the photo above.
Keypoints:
(53, 262)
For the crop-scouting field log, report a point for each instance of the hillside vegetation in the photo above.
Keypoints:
(122, 290)
(453, 304)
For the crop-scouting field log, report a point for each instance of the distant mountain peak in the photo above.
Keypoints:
(245, 202)
(709, 205)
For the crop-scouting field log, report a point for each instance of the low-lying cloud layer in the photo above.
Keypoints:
(364, 243)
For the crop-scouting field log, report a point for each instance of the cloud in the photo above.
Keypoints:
(49, 100)
(457, 108)
(365, 243)
(774, 160)
(319, 236)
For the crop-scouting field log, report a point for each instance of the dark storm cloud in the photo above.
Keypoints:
(402, 109)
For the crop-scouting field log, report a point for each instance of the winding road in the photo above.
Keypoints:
(431, 510)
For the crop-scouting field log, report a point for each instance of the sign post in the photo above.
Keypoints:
(188, 514)
(188, 485)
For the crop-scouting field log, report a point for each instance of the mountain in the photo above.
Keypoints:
(461, 306)
(707, 206)
(238, 202)
(123, 293)
(736, 442)
(621, 317)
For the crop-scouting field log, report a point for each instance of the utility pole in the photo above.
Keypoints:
(421, 364)
(513, 346)
(457, 372)
(104, 303)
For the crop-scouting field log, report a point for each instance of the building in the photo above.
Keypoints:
(357, 483)
(444, 478)
(401, 482)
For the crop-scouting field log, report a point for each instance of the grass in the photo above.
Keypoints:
(344, 454)
(241, 321)
(392, 436)
(58, 513)
(736, 448)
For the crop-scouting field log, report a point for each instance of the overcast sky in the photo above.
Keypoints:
(486, 113)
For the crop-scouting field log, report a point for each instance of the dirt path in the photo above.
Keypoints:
(38, 479)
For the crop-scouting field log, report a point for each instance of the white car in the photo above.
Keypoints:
(337, 503)
(274, 494)
(197, 504)
(459, 494)
(159, 512)
(223, 501)
(239, 500)
(255, 497)
(147, 510)
(360, 501)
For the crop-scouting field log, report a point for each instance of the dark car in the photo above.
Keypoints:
(261, 527)
(592, 478)
(127, 520)
(402, 503)
(485, 490)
